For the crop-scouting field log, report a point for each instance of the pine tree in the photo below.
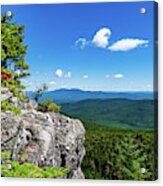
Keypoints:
(13, 51)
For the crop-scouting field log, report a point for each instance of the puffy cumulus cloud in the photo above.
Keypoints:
(85, 76)
(118, 76)
(81, 42)
(52, 83)
(101, 38)
(59, 73)
(128, 44)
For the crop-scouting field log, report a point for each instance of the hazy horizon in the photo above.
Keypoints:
(86, 90)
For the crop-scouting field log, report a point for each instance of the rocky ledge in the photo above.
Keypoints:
(46, 138)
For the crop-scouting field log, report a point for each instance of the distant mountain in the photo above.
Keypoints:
(113, 113)
(74, 95)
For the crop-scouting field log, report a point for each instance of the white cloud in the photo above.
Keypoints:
(68, 75)
(52, 83)
(81, 42)
(59, 73)
(118, 76)
(85, 76)
(128, 44)
(101, 38)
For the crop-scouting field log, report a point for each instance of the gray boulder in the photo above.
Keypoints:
(46, 138)
(5, 94)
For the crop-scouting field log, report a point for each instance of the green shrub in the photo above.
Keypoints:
(54, 107)
(48, 106)
(5, 105)
(5, 155)
(28, 170)
(46, 103)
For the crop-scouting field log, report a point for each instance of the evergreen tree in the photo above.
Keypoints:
(13, 51)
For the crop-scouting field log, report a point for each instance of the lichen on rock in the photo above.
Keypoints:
(47, 139)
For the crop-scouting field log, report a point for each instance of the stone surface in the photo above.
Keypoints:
(31, 104)
(5, 94)
(46, 138)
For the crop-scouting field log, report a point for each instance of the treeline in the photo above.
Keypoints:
(123, 155)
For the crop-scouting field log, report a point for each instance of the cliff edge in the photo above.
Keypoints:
(50, 139)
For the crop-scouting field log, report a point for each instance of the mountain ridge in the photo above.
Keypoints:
(113, 113)
(75, 95)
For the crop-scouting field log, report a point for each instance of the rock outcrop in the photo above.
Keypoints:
(5, 94)
(46, 138)
(28, 104)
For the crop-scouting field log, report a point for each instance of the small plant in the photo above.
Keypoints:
(48, 106)
(45, 104)
(5, 105)
(54, 107)
(39, 92)
(29, 170)
(5, 155)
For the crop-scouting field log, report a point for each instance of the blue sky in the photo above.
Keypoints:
(102, 46)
